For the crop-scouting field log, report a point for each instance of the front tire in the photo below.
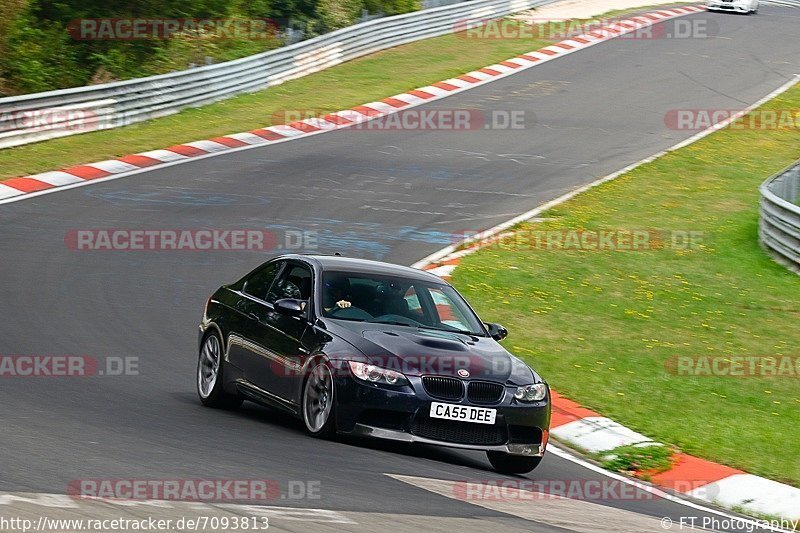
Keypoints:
(210, 376)
(505, 463)
(319, 401)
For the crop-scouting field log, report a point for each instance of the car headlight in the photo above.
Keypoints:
(531, 393)
(375, 374)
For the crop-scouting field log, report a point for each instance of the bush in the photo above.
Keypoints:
(38, 54)
(392, 7)
(39, 57)
(336, 14)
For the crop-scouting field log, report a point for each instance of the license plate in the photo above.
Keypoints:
(463, 413)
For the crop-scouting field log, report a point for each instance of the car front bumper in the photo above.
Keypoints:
(402, 415)
(742, 7)
(363, 430)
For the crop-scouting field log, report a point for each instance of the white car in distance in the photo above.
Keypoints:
(736, 6)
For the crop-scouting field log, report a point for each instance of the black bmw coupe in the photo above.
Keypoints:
(371, 349)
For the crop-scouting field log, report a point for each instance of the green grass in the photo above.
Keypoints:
(640, 461)
(601, 326)
(363, 80)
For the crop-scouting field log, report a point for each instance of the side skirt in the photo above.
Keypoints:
(266, 398)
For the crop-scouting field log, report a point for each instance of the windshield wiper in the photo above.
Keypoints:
(420, 326)
(392, 323)
(453, 330)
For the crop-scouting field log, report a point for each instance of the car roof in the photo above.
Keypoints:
(365, 266)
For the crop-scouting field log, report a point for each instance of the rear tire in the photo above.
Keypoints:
(505, 463)
(210, 376)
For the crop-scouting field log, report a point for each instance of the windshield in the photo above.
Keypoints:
(395, 300)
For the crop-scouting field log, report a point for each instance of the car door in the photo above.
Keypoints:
(281, 336)
(251, 308)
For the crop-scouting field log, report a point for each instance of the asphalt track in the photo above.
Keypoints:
(390, 195)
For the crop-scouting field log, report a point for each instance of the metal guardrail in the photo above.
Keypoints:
(70, 111)
(428, 4)
(779, 226)
(789, 3)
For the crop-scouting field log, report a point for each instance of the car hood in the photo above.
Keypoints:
(416, 352)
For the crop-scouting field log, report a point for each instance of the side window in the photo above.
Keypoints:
(260, 282)
(414, 307)
(294, 282)
(448, 313)
(412, 299)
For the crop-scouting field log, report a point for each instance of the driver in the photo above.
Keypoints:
(336, 294)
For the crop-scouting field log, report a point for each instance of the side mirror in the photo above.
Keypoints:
(496, 331)
(290, 307)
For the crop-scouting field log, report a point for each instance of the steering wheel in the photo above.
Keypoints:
(355, 313)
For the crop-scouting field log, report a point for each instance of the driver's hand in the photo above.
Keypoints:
(343, 304)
